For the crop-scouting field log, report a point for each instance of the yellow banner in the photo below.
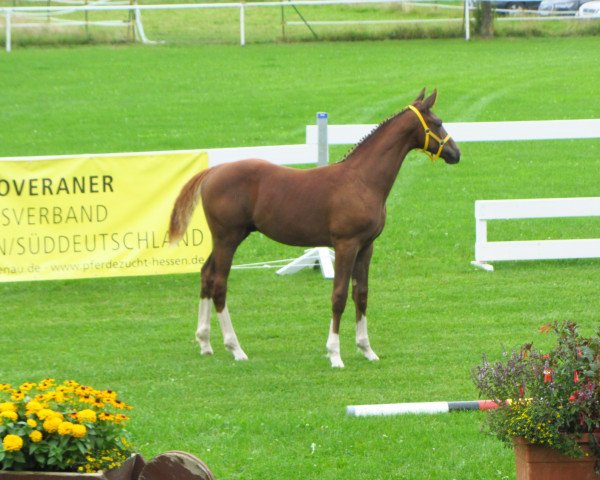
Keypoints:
(97, 216)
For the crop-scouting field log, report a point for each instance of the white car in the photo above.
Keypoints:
(589, 9)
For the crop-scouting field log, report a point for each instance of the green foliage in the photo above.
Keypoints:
(548, 398)
(66, 428)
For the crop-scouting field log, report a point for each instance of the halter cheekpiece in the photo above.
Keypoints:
(428, 133)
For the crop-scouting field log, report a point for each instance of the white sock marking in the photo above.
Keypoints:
(229, 337)
(362, 340)
(203, 331)
(333, 348)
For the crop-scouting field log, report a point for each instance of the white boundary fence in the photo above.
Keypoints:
(466, 7)
(475, 131)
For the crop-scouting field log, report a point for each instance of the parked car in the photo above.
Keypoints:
(516, 4)
(548, 7)
(589, 9)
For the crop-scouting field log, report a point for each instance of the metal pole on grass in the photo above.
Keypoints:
(283, 22)
(322, 145)
(8, 32)
(467, 22)
(242, 26)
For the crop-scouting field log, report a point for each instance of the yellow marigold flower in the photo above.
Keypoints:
(36, 436)
(86, 415)
(32, 423)
(65, 428)
(51, 424)
(17, 396)
(33, 406)
(119, 417)
(46, 413)
(46, 383)
(43, 413)
(79, 431)
(12, 443)
(10, 415)
(8, 407)
(5, 387)
(27, 386)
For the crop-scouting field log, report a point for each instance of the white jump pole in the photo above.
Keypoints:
(418, 408)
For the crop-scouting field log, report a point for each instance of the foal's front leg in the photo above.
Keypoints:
(345, 255)
(360, 290)
(204, 309)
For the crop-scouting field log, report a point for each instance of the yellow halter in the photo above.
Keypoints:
(429, 133)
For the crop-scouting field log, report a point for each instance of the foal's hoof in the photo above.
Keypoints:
(336, 361)
(239, 356)
(205, 349)
(370, 355)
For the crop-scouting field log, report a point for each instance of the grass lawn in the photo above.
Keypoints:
(281, 415)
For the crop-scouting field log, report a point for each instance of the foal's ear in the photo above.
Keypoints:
(420, 97)
(429, 102)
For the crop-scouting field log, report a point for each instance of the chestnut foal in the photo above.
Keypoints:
(340, 205)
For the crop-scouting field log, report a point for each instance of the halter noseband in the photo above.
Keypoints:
(428, 133)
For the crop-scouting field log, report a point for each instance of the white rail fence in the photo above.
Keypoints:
(476, 131)
(486, 210)
(135, 10)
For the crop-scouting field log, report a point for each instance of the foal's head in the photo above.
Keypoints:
(432, 137)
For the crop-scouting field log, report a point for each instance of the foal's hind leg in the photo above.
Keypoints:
(345, 255)
(223, 255)
(360, 290)
(203, 330)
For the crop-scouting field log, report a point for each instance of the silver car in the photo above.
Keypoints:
(567, 7)
(590, 9)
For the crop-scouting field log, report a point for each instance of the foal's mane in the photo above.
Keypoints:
(365, 140)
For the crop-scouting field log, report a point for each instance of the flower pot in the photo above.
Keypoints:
(130, 470)
(536, 462)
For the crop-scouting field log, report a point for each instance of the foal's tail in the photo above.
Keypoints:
(184, 207)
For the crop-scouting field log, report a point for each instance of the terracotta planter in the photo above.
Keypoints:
(536, 462)
(130, 470)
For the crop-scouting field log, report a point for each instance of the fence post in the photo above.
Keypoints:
(323, 144)
(8, 32)
(467, 21)
(242, 26)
